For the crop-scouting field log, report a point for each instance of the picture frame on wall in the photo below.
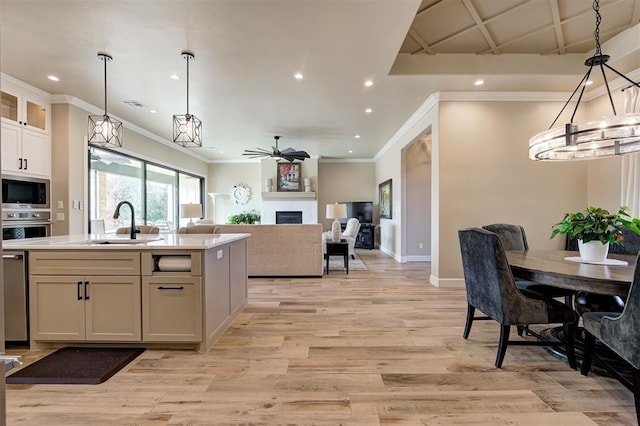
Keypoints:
(288, 177)
(385, 199)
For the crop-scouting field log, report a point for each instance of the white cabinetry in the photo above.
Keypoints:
(26, 130)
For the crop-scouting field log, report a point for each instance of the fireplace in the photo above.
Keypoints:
(288, 217)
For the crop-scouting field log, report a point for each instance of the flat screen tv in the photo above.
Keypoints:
(361, 210)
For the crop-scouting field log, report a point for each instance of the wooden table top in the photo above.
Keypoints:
(550, 267)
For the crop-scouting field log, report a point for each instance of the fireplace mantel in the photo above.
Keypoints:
(288, 195)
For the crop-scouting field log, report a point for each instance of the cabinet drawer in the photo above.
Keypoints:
(171, 309)
(84, 263)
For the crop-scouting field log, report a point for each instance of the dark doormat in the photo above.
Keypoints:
(86, 366)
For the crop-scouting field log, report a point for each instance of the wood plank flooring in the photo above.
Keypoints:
(375, 347)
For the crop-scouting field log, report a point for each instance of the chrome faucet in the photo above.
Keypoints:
(133, 228)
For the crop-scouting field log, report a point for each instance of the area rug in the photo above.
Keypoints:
(336, 263)
(72, 365)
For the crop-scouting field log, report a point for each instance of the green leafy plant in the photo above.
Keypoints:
(592, 224)
(245, 217)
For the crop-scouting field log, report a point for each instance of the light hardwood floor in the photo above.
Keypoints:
(373, 347)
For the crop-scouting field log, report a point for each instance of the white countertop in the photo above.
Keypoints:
(122, 242)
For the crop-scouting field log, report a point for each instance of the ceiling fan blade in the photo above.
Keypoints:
(258, 151)
(295, 155)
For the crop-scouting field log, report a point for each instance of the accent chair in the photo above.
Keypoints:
(350, 234)
(620, 332)
(492, 290)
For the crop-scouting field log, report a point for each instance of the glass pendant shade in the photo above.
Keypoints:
(597, 138)
(104, 131)
(187, 128)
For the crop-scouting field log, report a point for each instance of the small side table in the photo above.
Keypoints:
(337, 249)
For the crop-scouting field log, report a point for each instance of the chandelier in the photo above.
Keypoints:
(187, 128)
(605, 137)
(104, 131)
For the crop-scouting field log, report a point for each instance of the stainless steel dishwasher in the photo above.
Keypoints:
(16, 301)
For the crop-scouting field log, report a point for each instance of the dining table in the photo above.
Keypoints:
(560, 268)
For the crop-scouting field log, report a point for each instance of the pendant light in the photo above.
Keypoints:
(104, 131)
(597, 138)
(187, 128)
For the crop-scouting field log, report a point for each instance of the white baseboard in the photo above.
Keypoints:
(446, 282)
(418, 258)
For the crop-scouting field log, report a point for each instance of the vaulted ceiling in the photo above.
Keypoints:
(242, 83)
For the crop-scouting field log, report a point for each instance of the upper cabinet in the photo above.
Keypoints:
(26, 130)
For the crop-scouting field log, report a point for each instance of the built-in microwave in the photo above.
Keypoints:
(19, 192)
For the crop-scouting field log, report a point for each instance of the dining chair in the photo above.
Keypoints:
(492, 290)
(513, 237)
(144, 229)
(620, 332)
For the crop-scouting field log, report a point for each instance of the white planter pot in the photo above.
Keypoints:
(593, 251)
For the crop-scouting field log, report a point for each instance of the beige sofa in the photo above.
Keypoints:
(282, 250)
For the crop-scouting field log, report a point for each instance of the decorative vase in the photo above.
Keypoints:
(593, 251)
(336, 231)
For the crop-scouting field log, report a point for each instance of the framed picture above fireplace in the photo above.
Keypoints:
(288, 177)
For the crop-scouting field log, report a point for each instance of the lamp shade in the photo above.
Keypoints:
(336, 211)
(190, 210)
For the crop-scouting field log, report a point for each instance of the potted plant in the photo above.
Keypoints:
(245, 217)
(595, 229)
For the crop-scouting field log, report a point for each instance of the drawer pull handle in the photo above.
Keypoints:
(171, 288)
(86, 290)
(79, 290)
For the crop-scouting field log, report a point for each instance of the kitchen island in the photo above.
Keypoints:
(168, 290)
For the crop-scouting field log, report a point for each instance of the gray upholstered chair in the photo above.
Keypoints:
(513, 237)
(492, 290)
(621, 333)
(199, 229)
(144, 229)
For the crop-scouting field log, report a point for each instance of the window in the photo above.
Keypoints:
(155, 191)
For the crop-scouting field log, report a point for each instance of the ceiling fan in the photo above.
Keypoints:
(288, 154)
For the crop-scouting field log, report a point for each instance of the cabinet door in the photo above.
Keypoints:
(57, 308)
(11, 147)
(35, 113)
(172, 309)
(113, 308)
(36, 155)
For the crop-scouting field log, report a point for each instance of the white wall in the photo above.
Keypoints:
(222, 177)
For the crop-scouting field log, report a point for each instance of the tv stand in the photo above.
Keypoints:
(366, 235)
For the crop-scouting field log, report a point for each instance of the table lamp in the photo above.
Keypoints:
(336, 211)
(190, 211)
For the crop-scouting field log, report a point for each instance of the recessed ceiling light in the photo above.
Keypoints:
(350, 151)
(298, 76)
(588, 83)
(174, 77)
(368, 110)
(153, 111)
(368, 83)
(53, 78)
(357, 136)
(478, 82)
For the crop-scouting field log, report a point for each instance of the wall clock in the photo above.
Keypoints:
(241, 193)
